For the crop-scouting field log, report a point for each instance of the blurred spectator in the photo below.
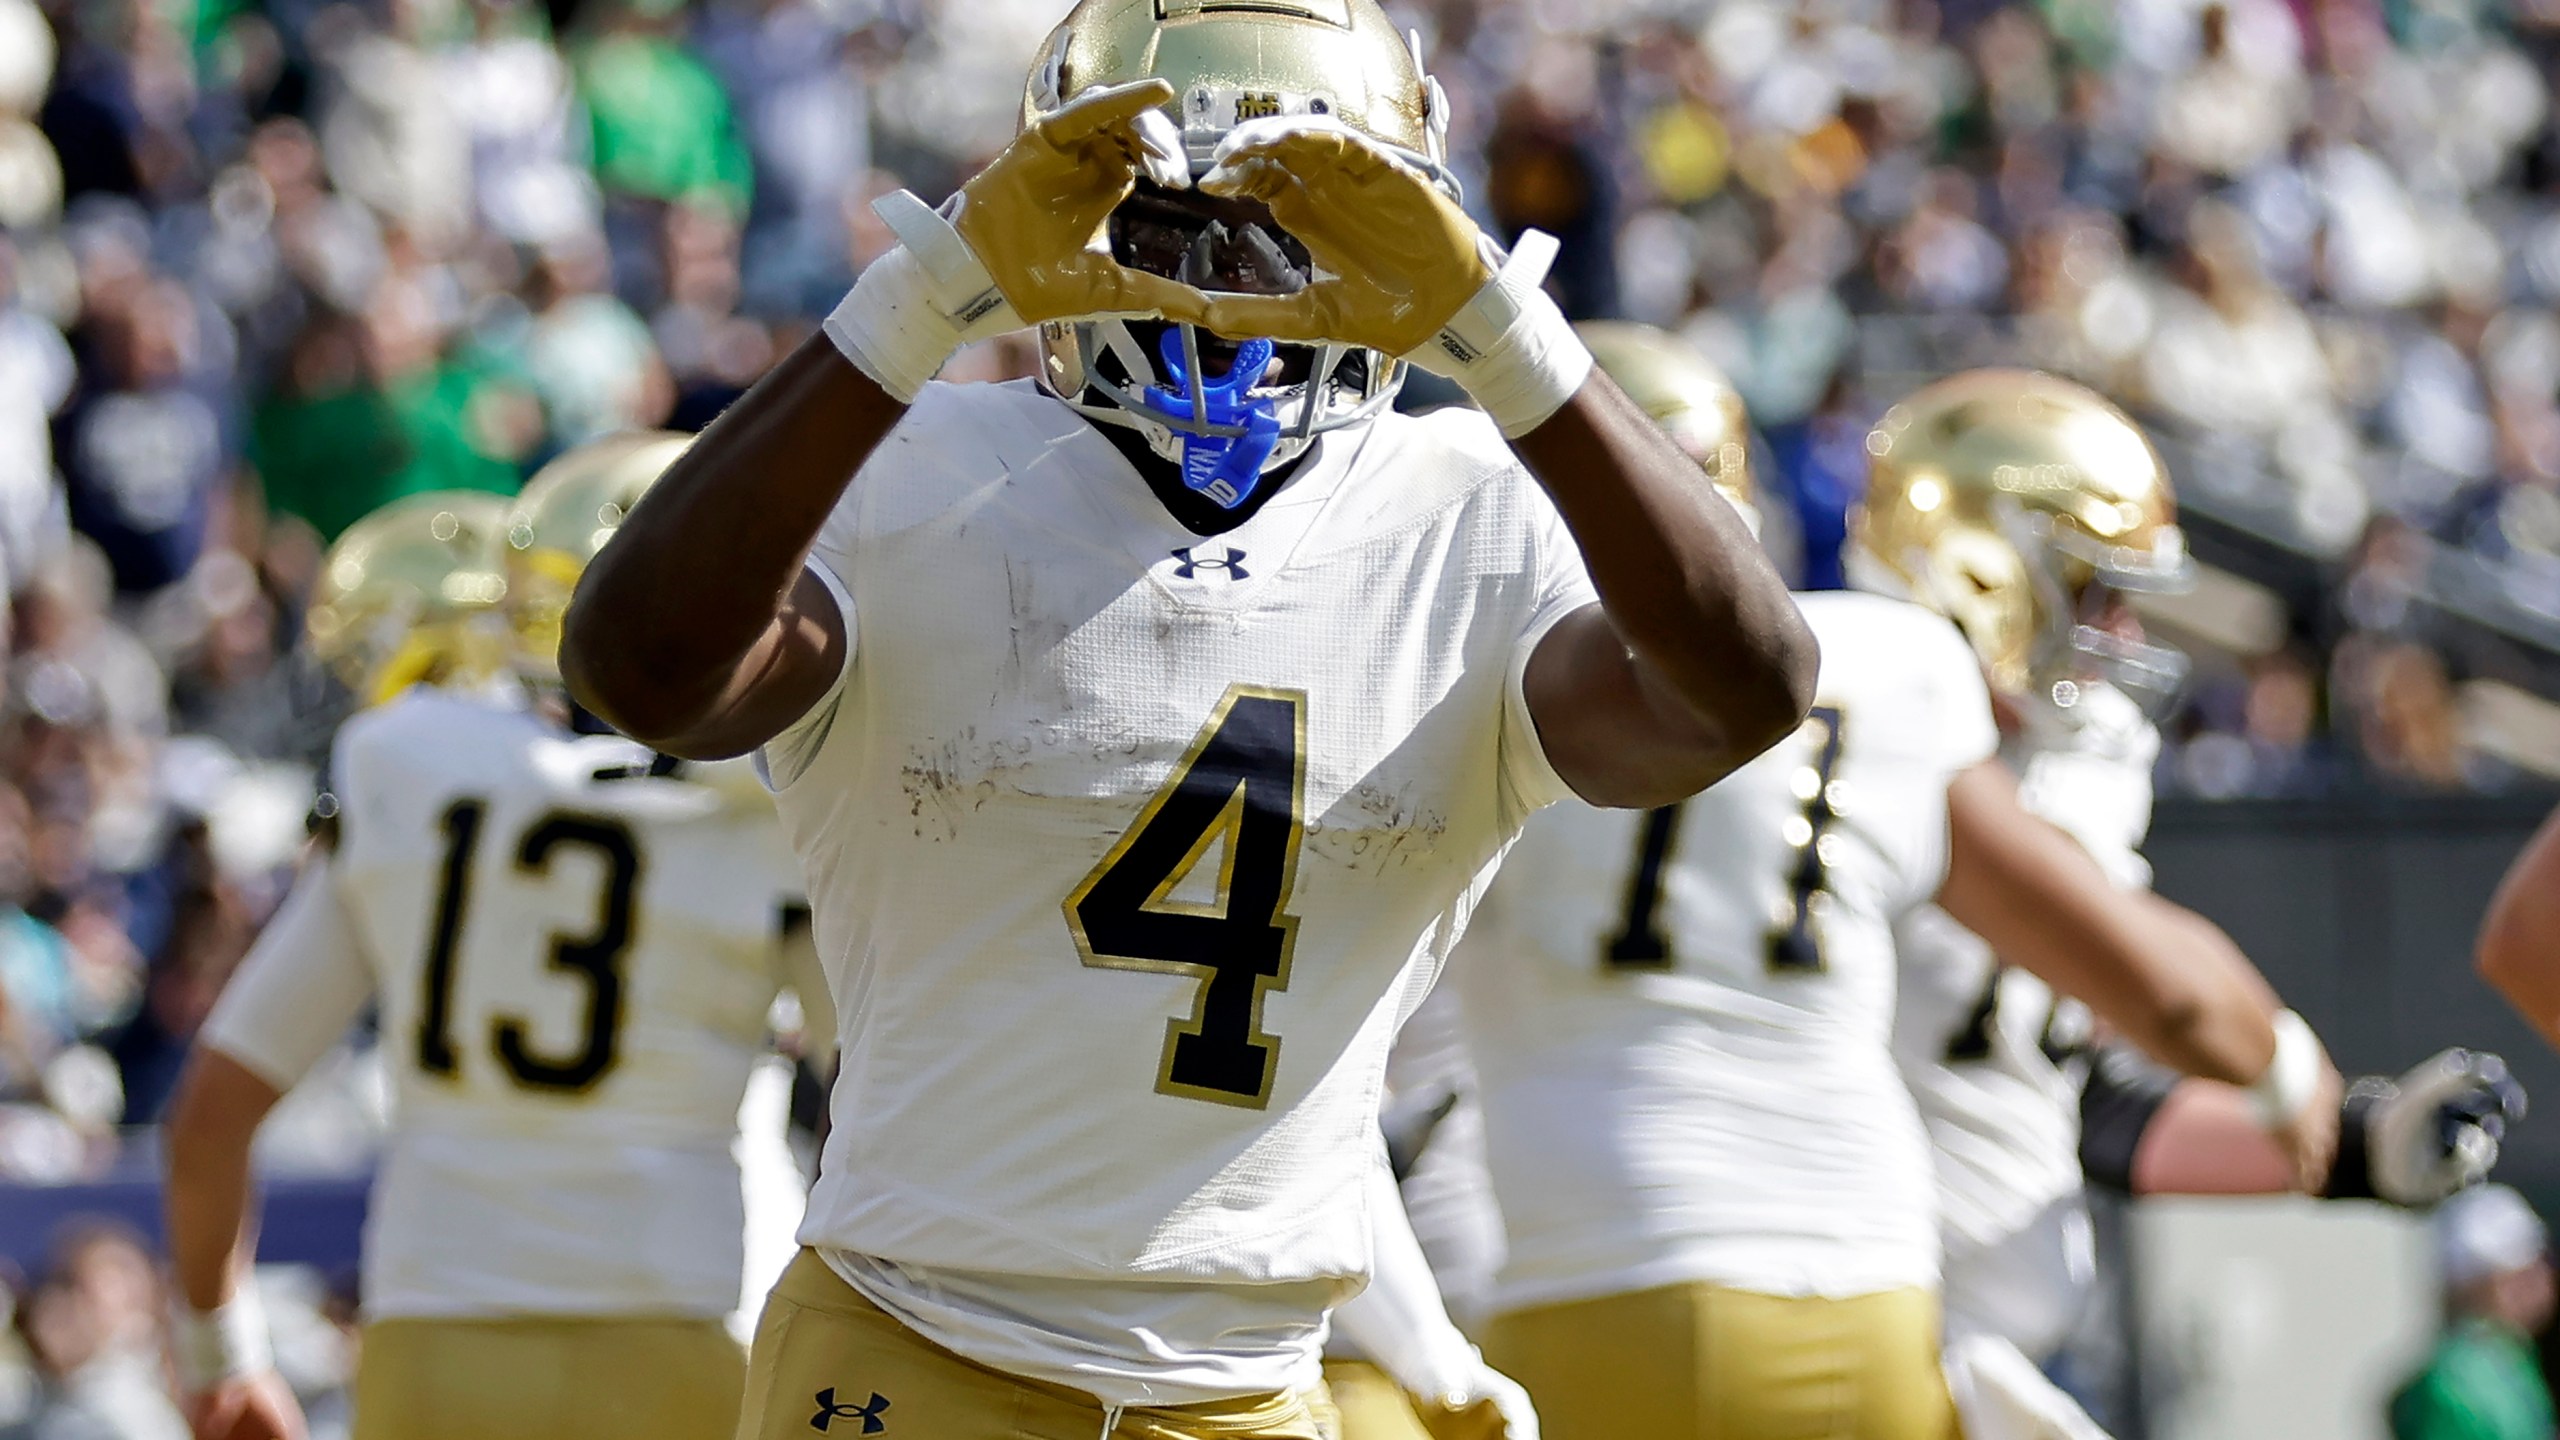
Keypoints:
(592, 359)
(142, 443)
(2481, 1382)
(2274, 749)
(93, 1328)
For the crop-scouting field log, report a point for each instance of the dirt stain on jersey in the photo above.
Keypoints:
(1375, 829)
(945, 783)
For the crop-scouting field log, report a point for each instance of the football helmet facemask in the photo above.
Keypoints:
(2019, 505)
(566, 513)
(1230, 412)
(408, 595)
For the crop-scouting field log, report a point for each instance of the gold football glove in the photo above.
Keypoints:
(1033, 215)
(1402, 258)
(1408, 274)
(1019, 244)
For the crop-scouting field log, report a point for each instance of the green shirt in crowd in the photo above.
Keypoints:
(2482, 1383)
(333, 459)
(661, 123)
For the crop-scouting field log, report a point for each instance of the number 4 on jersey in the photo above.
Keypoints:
(1240, 790)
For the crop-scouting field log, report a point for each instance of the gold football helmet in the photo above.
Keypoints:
(566, 513)
(408, 595)
(1230, 61)
(1693, 402)
(2013, 503)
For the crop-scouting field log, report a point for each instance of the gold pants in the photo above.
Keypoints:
(1701, 1362)
(828, 1362)
(1372, 1406)
(548, 1379)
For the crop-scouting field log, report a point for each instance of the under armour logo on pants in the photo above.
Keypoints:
(829, 1412)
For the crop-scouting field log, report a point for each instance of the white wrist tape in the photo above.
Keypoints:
(917, 304)
(2292, 1080)
(225, 1343)
(1511, 347)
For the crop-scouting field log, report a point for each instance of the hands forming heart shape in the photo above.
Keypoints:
(1396, 257)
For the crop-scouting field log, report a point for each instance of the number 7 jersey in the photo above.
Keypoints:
(1681, 1017)
(573, 953)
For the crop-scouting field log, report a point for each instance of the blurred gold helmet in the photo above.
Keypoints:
(1674, 382)
(1230, 61)
(568, 510)
(408, 595)
(2012, 503)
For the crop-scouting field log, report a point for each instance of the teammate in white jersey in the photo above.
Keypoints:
(572, 946)
(1396, 1355)
(2030, 572)
(1145, 733)
(1716, 1192)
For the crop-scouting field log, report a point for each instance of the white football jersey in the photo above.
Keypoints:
(1434, 1119)
(1680, 1017)
(573, 958)
(1129, 850)
(1987, 1050)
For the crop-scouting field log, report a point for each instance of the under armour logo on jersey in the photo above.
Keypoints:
(1192, 565)
(829, 1412)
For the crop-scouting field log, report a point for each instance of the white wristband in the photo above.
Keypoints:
(2292, 1080)
(915, 305)
(1511, 347)
(225, 1343)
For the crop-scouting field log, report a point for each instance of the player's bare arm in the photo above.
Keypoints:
(700, 631)
(2411, 1139)
(2174, 984)
(2519, 947)
(212, 1243)
(1696, 660)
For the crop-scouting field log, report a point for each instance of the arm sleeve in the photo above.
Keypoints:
(302, 985)
(1563, 586)
(785, 757)
(2124, 1093)
(1400, 1322)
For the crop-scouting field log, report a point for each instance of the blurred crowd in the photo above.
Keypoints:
(265, 264)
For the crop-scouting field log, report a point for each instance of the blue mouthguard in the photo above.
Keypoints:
(1226, 468)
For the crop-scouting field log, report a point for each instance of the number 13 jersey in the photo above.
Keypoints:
(1680, 1018)
(573, 957)
(1128, 851)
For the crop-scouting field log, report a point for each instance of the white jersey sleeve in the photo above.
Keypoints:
(1399, 1321)
(301, 986)
(1680, 1017)
(1563, 587)
(1434, 1119)
(785, 755)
